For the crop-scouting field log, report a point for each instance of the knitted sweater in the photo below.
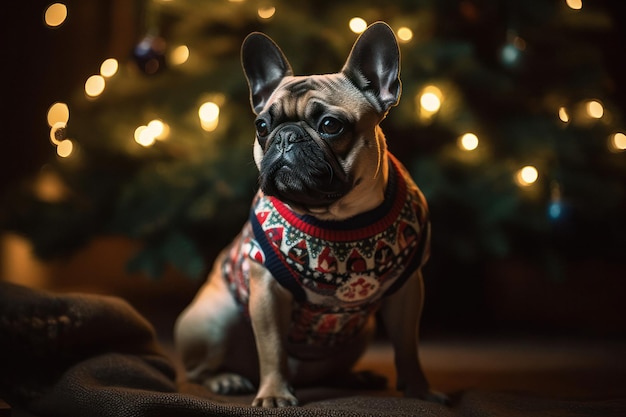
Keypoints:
(337, 271)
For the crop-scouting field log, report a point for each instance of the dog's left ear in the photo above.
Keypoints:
(265, 66)
(374, 65)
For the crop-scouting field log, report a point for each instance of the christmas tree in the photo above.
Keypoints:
(511, 122)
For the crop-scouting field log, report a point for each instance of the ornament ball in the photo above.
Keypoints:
(149, 54)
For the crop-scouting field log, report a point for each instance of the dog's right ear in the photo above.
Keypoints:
(374, 65)
(265, 66)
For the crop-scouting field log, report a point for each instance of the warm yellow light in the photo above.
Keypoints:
(65, 148)
(209, 126)
(563, 115)
(468, 142)
(58, 112)
(55, 15)
(95, 85)
(617, 142)
(158, 129)
(574, 4)
(430, 100)
(57, 132)
(357, 25)
(527, 176)
(144, 136)
(109, 67)
(179, 55)
(266, 12)
(209, 113)
(405, 34)
(595, 109)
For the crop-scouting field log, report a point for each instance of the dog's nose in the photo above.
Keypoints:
(289, 135)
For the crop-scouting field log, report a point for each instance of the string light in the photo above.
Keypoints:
(144, 136)
(209, 113)
(158, 129)
(109, 67)
(357, 25)
(563, 115)
(58, 112)
(405, 34)
(147, 135)
(266, 12)
(527, 176)
(179, 55)
(617, 142)
(594, 109)
(55, 15)
(574, 4)
(65, 148)
(468, 142)
(57, 133)
(94, 86)
(430, 99)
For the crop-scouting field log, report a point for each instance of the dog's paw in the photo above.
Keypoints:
(275, 398)
(427, 395)
(229, 384)
(436, 397)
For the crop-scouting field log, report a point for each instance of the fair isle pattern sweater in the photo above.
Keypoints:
(337, 271)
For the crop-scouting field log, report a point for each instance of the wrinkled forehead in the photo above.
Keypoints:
(301, 95)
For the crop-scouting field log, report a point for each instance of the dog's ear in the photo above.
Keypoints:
(374, 65)
(265, 66)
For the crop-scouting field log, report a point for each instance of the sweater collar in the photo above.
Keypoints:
(359, 226)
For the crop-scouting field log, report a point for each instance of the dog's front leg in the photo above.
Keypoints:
(270, 313)
(401, 314)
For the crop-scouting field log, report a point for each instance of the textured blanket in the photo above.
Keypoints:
(86, 355)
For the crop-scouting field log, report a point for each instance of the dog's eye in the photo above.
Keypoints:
(262, 128)
(331, 126)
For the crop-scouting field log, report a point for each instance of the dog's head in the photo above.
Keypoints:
(318, 145)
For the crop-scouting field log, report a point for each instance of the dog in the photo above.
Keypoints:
(337, 231)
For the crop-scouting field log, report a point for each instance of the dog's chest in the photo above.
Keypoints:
(337, 271)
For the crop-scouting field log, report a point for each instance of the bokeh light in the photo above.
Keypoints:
(65, 148)
(594, 109)
(404, 34)
(209, 113)
(617, 142)
(179, 55)
(430, 99)
(527, 176)
(357, 25)
(468, 142)
(144, 136)
(58, 132)
(55, 15)
(94, 86)
(266, 12)
(574, 4)
(563, 115)
(158, 129)
(58, 112)
(109, 67)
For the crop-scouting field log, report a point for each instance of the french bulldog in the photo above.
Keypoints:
(337, 232)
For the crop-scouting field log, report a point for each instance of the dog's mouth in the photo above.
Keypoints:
(302, 191)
